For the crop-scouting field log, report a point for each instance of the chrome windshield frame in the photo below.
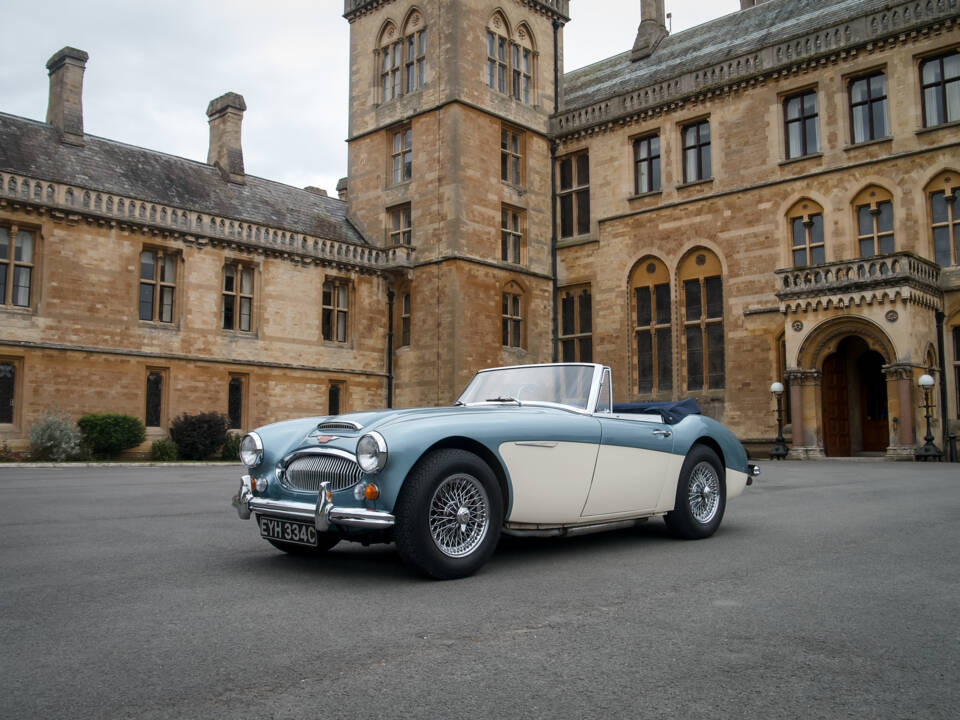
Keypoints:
(592, 398)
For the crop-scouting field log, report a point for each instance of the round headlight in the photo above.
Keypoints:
(251, 450)
(372, 452)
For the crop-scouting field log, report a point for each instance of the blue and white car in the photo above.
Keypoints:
(526, 450)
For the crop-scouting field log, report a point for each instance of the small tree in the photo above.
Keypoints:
(199, 436)
(108, 434)
(54, 438)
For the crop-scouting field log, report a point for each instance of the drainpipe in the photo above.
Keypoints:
(943, 387)
(390, 348)
(553, 191)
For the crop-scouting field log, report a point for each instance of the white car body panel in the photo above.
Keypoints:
(550, 481)
(628, 480)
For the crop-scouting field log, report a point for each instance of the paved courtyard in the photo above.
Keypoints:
(830, 590)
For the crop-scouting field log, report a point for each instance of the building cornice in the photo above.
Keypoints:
(559, 9)
(895, 24)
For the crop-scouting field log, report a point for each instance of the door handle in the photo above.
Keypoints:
(662, 433)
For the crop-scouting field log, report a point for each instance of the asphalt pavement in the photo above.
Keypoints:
(830, 591)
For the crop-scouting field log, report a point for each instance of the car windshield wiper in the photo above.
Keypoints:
(459, 403)
(504, 398)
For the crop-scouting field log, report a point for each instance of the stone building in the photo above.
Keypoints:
(768, 196)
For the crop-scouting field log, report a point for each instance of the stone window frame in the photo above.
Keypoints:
(159, 284)
(944, 88)
(9, 265)
(243, 381)
(512, 152)
(238, 296)
(652, 274)
(414, 55)
(575, 337)
(399, 225)
(803, 225)
(802, 118)
(335, 314)
(873, 201)
(511, 59)
(871, 100)
(702, 267)
(400, 168)
(701, 147)
(513, 234)
(336, 395)
(651, 159)
(573, 194)
(16, 395)
(946, 222)
(512, 312)
(163, 406)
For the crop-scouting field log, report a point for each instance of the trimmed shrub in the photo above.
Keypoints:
(108, 434)
(231, 447)
(54, 438)
(163, 450)
(199, 436)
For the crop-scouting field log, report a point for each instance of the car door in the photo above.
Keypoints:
(634, 463)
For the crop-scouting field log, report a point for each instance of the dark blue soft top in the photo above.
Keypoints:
(672, 412)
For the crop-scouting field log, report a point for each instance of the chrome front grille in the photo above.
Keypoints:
(306, 473)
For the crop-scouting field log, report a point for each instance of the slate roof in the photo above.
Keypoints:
(733, 35)
(33, 148)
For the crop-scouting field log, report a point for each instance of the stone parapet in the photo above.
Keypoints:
(558, 8)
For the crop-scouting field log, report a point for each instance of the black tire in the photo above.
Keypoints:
(701, 496)
(325, 541)
(448, 515)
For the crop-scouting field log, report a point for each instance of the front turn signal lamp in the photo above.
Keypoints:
(366, 491)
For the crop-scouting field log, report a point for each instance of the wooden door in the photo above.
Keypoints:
(836, 404)
(873, 403)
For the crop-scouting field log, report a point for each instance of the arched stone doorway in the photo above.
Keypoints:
(854, 400)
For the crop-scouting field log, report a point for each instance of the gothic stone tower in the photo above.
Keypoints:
(450, 172)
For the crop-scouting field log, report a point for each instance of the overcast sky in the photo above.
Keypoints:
(155, 65)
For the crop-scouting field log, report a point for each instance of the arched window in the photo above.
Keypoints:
(414, 53)
(402, 57)
(944, 194)
(806, 233)
(521, 63)
(511, 315)
(874, 209)
(391, 58)
(653, 326)
(510, 59)
(700, 277)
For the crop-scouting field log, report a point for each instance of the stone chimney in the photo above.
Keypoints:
(226, 152)
(342, 189)
(653, 29)
(65, 108)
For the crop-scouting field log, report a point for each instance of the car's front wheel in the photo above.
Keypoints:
(325, 541)
(449, 515)
(701, 496)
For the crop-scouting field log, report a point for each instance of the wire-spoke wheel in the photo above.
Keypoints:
(459, 515)
(701, 495)
(449, 514)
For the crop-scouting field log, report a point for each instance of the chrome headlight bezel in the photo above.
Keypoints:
(372, 453)
(251, 450)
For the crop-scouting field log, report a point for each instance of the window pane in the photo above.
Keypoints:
(566, 174)
(168, 270)
(690, 165)
(404, 331)
(655, 174)
(715, 356)
(21, 286)
(235, 403)
(953, 101)
(662, 295)
(861, 123)
(246, 281)
(800, 257)
(799, 232)
(3, 283)
(811, 136)
(885, 243)
(326, 324)
(793, 108)
(516, 333)
(878, 86)
(23, 249)
(644, 362)
(505, 334)
(586, 349)
(583, 170)
(694, 359)
(810, 104)
(643, 306)
(7, 378)
(504, 246)
(226, 316)
(879, 110)
(706, 171)
(566, 216)
(858, 90)
(664, 359)
(941, 246)
(586, 319)
(583, 212)
(341, 296)
(4, 244)
(341, 326)
(154, 399)
(714, 289)
(930, 71)
(245, 305)
(866, 247)
(794, 140)
(146, 301)
(932, 107)
(816, 229)
(864, 220)
(704, 131)
(166, 304)
(885, 218)
(333, 400)
(229, 278)
(567, 310)
(691, 290)
(147, 265)
(817, 255)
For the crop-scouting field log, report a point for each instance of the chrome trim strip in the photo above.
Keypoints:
(361, 518)
(536, 443)
(283, 508)
(339, 425)
(287, 459)
(323, 514)
(572, 530)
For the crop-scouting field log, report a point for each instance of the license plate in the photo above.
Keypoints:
(290, 531)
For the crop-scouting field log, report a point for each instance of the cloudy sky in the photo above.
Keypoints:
(155, 65)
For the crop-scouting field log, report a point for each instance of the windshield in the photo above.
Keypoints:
(559, 384)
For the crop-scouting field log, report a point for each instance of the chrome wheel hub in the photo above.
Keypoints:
(703, 493)
(459, 515)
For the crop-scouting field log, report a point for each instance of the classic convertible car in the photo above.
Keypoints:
(526, 450)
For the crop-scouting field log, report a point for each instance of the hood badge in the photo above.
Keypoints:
(321, 439)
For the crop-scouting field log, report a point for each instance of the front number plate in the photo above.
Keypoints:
(290, 531)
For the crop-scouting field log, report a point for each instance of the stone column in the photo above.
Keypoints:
(900, 376)
(805, 411)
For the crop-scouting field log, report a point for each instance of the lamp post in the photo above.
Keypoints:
(928, 451)
(779, 450)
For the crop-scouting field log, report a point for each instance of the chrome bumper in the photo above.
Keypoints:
(323, 514)
(752, 472)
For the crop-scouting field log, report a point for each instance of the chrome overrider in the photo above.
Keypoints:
(324, 514)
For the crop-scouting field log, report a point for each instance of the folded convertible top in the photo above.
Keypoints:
(672, 412)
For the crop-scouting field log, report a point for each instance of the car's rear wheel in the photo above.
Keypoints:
(701, 496)
(449, 515)
(325, 541)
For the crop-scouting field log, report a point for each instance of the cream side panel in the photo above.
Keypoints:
(736, 482)
(668, 495)
(627, 480)
(550, 481)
